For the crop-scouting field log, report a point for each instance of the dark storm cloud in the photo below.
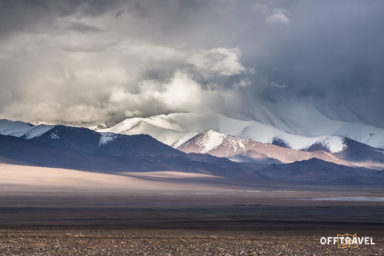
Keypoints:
(19, 15)
(332, 54)
(94, 60)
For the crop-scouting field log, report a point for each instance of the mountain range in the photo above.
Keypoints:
(244, 150)
(208, 152)
(84, 149)
(176, 128)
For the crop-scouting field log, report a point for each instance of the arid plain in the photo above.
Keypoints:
(47, 211)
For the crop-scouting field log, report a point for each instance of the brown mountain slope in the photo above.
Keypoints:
(222, 145)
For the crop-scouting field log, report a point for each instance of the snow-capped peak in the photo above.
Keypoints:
(210, 140)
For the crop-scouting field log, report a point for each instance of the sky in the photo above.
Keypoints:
(99, 60)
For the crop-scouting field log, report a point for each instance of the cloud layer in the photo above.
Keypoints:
(100, 60)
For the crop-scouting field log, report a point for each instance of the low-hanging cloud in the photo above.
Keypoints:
(100, 60)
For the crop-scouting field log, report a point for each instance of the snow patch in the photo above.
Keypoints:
(334, 144)
(241, 144)
(210, 140)
(106, 138)
(234, 142)
(54, 136)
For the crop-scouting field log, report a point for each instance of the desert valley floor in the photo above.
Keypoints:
(47, 211)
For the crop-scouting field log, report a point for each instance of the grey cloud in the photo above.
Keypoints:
(84, 28)
(326, 55)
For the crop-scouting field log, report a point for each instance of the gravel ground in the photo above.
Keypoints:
(172, 242)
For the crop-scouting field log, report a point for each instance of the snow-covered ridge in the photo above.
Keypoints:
(334, 144)
(177, 128)
(14, 128)
(158, 127)
(21, 129)
(37, 131)
(210, 140)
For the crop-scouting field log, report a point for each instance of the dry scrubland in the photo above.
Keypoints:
(171, 242)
